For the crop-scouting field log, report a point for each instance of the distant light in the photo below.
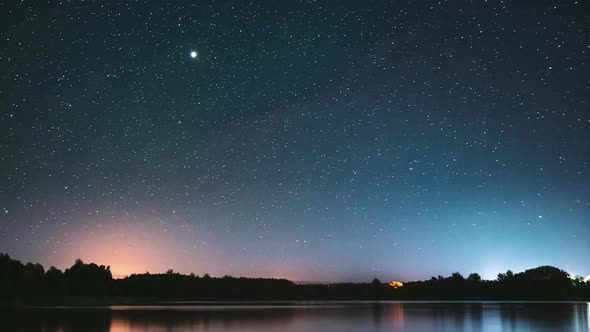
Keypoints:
(587, 279)
(395, 284)
(193, 54)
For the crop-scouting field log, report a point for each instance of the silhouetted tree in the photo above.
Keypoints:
(54, 281)
(457, 276)
(89, 281)
(474, 277)
(545, 273)
(505, 276)
(33, 278)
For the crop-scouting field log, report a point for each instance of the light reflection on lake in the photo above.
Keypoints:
(309, 316)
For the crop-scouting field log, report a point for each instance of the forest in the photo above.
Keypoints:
(82, 283)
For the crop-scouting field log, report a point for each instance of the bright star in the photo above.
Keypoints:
(193, 54)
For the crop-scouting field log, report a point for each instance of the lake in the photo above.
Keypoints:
(307, 316)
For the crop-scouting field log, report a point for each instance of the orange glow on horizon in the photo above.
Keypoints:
(395, 284)
(132, 248)
(126, 247)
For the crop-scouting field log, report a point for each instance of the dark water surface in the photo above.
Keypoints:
(307, 316)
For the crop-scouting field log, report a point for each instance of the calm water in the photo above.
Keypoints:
(325, 317)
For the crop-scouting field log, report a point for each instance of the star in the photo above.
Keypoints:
(315, 142)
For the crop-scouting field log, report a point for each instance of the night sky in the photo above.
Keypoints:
(312, 140)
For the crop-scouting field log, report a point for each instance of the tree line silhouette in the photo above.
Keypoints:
(90, 283)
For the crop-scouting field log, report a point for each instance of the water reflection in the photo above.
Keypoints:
(397, 315)
(359, 316)
(200, 319)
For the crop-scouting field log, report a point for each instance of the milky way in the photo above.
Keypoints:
(313, 140)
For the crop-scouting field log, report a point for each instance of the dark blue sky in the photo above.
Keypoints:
(313, 140)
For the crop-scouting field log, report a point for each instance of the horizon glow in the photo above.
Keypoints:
(315, 142)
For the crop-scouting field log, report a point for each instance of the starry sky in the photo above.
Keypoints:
(312, 140)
